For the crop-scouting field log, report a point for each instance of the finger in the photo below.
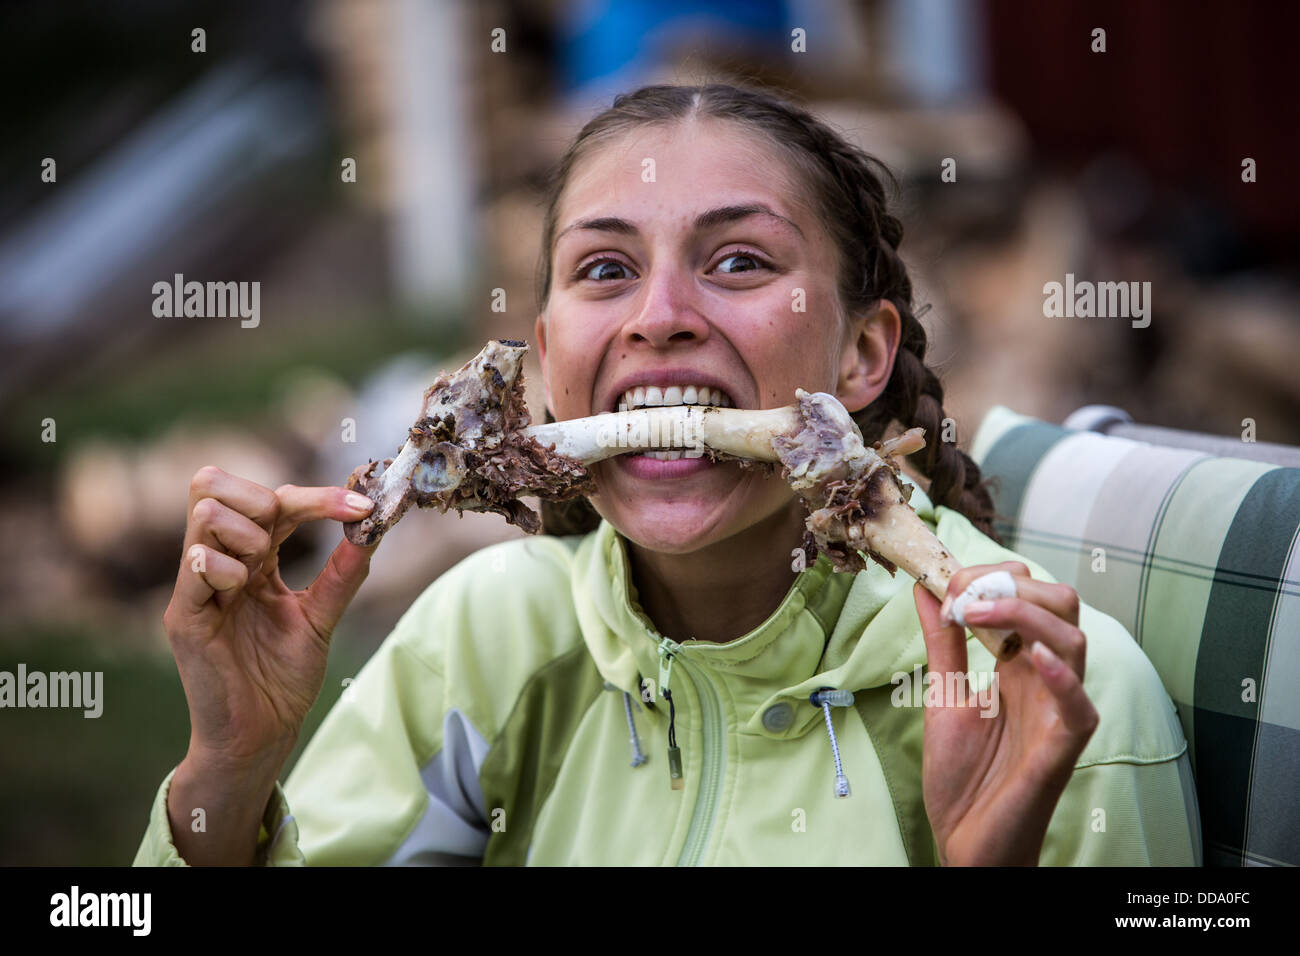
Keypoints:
(945, 645)
(224, 529)
(1033, 623)
(1077, 711)
(1061, 599)
(259, 504)
(962, 579)
(298, 504)
(205, 571)
(336, 585)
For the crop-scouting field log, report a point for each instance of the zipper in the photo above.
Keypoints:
(714, 743)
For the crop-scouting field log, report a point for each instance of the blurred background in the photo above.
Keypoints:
(375, 165)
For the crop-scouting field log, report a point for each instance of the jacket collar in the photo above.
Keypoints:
(832, 629)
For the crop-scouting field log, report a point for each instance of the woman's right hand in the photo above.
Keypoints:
(251, 653)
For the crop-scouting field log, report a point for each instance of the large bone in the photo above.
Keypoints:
(472, 449)
(739, 432)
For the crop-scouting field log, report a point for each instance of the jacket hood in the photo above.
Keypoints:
(832, 629)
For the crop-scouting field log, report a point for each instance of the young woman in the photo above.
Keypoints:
(701, 244)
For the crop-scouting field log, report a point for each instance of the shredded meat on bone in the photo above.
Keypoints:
(517, 465)
(476, 428)
(840, 483)
(850, 502)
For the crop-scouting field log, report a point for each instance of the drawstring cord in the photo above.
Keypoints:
(825, 698)
(638, 755)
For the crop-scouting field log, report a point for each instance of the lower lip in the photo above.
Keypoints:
(643, 466)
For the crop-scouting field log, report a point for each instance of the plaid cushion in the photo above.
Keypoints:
(1197, 556)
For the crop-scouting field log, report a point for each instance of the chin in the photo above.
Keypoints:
(666, 527)
(671, 518)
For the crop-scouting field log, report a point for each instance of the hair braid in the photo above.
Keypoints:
(913, 395)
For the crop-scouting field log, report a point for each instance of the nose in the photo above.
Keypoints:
(666, 313)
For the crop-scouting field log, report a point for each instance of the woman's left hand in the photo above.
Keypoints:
(991, 778)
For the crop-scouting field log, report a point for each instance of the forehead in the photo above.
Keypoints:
(695, 165)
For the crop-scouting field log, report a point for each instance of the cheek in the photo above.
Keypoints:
(571, 359)
(792, 348)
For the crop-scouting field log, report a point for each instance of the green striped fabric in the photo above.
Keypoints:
(1197, 556)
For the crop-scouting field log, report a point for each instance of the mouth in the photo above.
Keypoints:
(646, 396)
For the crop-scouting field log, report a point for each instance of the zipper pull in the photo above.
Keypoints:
(665, 664)
(676, 778)
(675, 768)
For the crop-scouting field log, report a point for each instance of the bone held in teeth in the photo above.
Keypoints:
(472, 449)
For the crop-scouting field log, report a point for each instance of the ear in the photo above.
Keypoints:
(867, 361)
(539, 335)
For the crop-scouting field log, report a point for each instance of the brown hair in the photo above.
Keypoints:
(847, 187)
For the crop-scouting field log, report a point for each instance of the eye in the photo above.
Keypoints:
(598, 271)
(744, 262)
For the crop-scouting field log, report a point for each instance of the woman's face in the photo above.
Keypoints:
(665, 275)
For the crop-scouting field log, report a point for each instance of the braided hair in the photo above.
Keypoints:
(847, 188)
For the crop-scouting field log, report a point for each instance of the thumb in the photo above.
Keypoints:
(945, 645)
(337, 584)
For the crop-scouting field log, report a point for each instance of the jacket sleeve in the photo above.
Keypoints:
(276, 844)
(1126, 814)
(391, 776)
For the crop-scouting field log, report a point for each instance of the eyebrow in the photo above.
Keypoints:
(705, 220)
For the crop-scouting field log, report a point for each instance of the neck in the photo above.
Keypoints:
(725, 590)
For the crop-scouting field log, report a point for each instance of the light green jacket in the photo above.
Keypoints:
(500, 719)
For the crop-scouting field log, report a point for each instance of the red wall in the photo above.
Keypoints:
(1188, 89)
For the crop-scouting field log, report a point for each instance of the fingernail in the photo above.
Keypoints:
(977, 609)
(359, 502)
(1046, 657)
(944, 608)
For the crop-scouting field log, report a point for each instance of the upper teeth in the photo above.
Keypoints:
(644, 395)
